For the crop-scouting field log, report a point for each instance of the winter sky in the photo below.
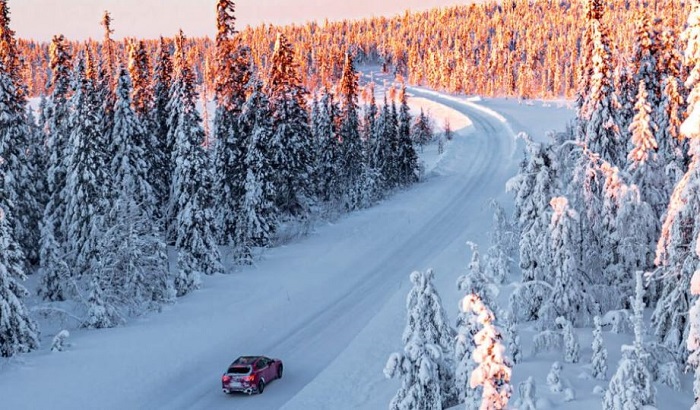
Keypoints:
(79, 19)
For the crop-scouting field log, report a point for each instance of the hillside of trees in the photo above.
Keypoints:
(517, 48)
(119, 166)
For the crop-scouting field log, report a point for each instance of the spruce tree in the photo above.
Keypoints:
(427, 317)
(417, 368)
(406, 156)
(643, 162)
(631, 387)
(599, 360)
(53, 232)
(598, 118)
(569, 297)
(351, 162)
(140, 73)
(161, 143)
(257, 221)
(232, 77)
(85, 188)
(291, 141)
(493, 370)
(134, 252)
(190, 197)
(23, 211)
(18, 331)
(328, 166)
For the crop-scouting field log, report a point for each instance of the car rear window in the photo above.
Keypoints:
(239, 370)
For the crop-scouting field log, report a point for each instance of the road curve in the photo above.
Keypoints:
(304, 302)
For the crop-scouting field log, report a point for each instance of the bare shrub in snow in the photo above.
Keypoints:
(527, 392)
(547, 340)
(571, 345)
(554, 378)
(59, 341)
(619, 321)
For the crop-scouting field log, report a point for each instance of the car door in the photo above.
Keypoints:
(267, 369)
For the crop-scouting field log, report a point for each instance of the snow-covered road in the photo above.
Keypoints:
(307, 303)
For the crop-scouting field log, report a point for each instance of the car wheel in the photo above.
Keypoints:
(261, 387)
(279, 372)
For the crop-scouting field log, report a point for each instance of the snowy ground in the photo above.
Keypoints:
(330, 305)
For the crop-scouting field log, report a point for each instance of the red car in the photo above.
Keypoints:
(250, 374)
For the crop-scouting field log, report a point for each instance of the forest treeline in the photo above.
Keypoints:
(517, 48)
(119, 193)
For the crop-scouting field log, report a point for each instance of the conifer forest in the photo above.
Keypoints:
(138, 175)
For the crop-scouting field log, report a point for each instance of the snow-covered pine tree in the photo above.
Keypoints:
(636, 229)
(593, 12)
(129, 146)
(53, 233)
(631, 386)
(588, 190)
(23, 211)
(644, 163)
(599, 360)
(134, 256)
(383, 149)
(18, 331)
(100, 314)
(85, 188)
(327, 167)
(427, 317)
(233, 75)
(498, 256)
(422, 130)
(467, 328)
(492, 371)
(370, 176)
(476, 280)
(257, 221)
(571, 345)
(291, 142)
(644, 58)
(407, 159)
(569, 297)
(417, 367)
(533, 187)
(54, 271)
(190, 194)
(626, 89)
(554, 378)
(352, 158)
(598, 116)
(672, 145)
(140, 74)
(58, 344)
(161, 143)
(513, 339)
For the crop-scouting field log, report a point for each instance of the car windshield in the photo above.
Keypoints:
(239, 370)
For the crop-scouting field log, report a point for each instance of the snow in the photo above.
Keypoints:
(330, 305)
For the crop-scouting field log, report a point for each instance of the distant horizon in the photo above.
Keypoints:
(80, 19)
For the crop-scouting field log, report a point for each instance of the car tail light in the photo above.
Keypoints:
(250, 378)
(226, 379)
